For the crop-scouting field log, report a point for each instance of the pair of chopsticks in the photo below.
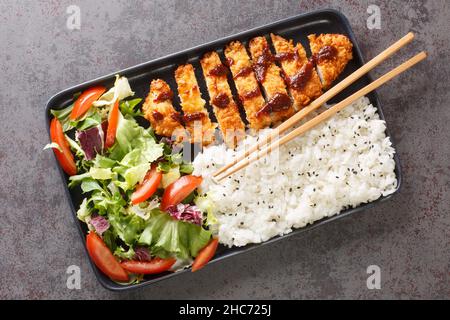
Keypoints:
(257, 151)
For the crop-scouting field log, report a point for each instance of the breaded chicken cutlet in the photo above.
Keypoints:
(279, 104)
(300, 75)
(288, 79)
(332, 52)
(196, 117)
(158, 109)
(224, 106)
(246, 84)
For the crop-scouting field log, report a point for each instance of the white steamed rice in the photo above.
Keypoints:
(342, 163)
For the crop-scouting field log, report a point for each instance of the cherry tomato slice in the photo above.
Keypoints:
(65, 158)
(85, 100)
(104, 259)
(156, 265)
(113, 122)
(205, 255)
(179, 189)
(148, 186)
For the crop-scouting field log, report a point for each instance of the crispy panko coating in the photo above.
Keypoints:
(246, 84)
(329, 69)
(158, 109)
(293, 59)
(270, 79)
(225, 108)
(196, 117)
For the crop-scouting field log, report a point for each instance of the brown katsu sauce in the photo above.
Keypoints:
(325, 53)
(243, 72)
(299, 80)
(193, 116)
(229, 61)
(163, 96)
(250, 94)
(177, 117)
(262, 64)
(221, 100)
(286, 56)
(157, 115)
(279, 102)
(219, 70)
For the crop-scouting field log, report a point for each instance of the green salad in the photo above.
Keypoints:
(141, 205)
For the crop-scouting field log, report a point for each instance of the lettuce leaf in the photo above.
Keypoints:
(101, 173)
(53, 145)
(127, 227)
(84, 211)
(124, 254)
(120, 91)
(205, 204)
(165, 235)
(63, 116)
(127, 107)
(135, 149)
(131, 136)
(103, 162)
(89, 185)
(93, 173)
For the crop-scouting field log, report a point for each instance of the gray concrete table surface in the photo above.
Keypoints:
(407, 237)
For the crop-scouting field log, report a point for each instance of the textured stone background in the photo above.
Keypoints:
(408, 237)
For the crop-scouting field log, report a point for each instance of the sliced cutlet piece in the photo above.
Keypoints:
(225, 108)
(158, 109)
(331, 52)
(300, 74)
(196, 118)
(279, 104)
(246, 84)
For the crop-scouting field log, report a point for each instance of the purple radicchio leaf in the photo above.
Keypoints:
(186, 212)
(142, 254)
(100, 224)
(91, 141)
(169, 141)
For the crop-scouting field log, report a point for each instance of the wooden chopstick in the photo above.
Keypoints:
(326, 114)
(320, 100)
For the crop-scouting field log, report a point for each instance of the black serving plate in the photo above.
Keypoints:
(296, 28)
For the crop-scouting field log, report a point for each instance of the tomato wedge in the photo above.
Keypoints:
(205, 255)
(113, 121)
(156, 265)
(85, 100)
(178, 190)
(148, 186)
(65, 158)
(104, 259)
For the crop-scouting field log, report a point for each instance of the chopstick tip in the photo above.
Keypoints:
(215, 179)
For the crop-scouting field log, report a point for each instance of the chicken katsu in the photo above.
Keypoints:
(158, 109)
(299, 73)
(224, 106)
(279, 104)
(271, 87)
(196, 118)
(331, 53)
(247, 86)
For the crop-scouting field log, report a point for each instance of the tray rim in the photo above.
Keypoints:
(109, 284)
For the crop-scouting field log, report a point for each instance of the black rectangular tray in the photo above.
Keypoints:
(296, 28)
